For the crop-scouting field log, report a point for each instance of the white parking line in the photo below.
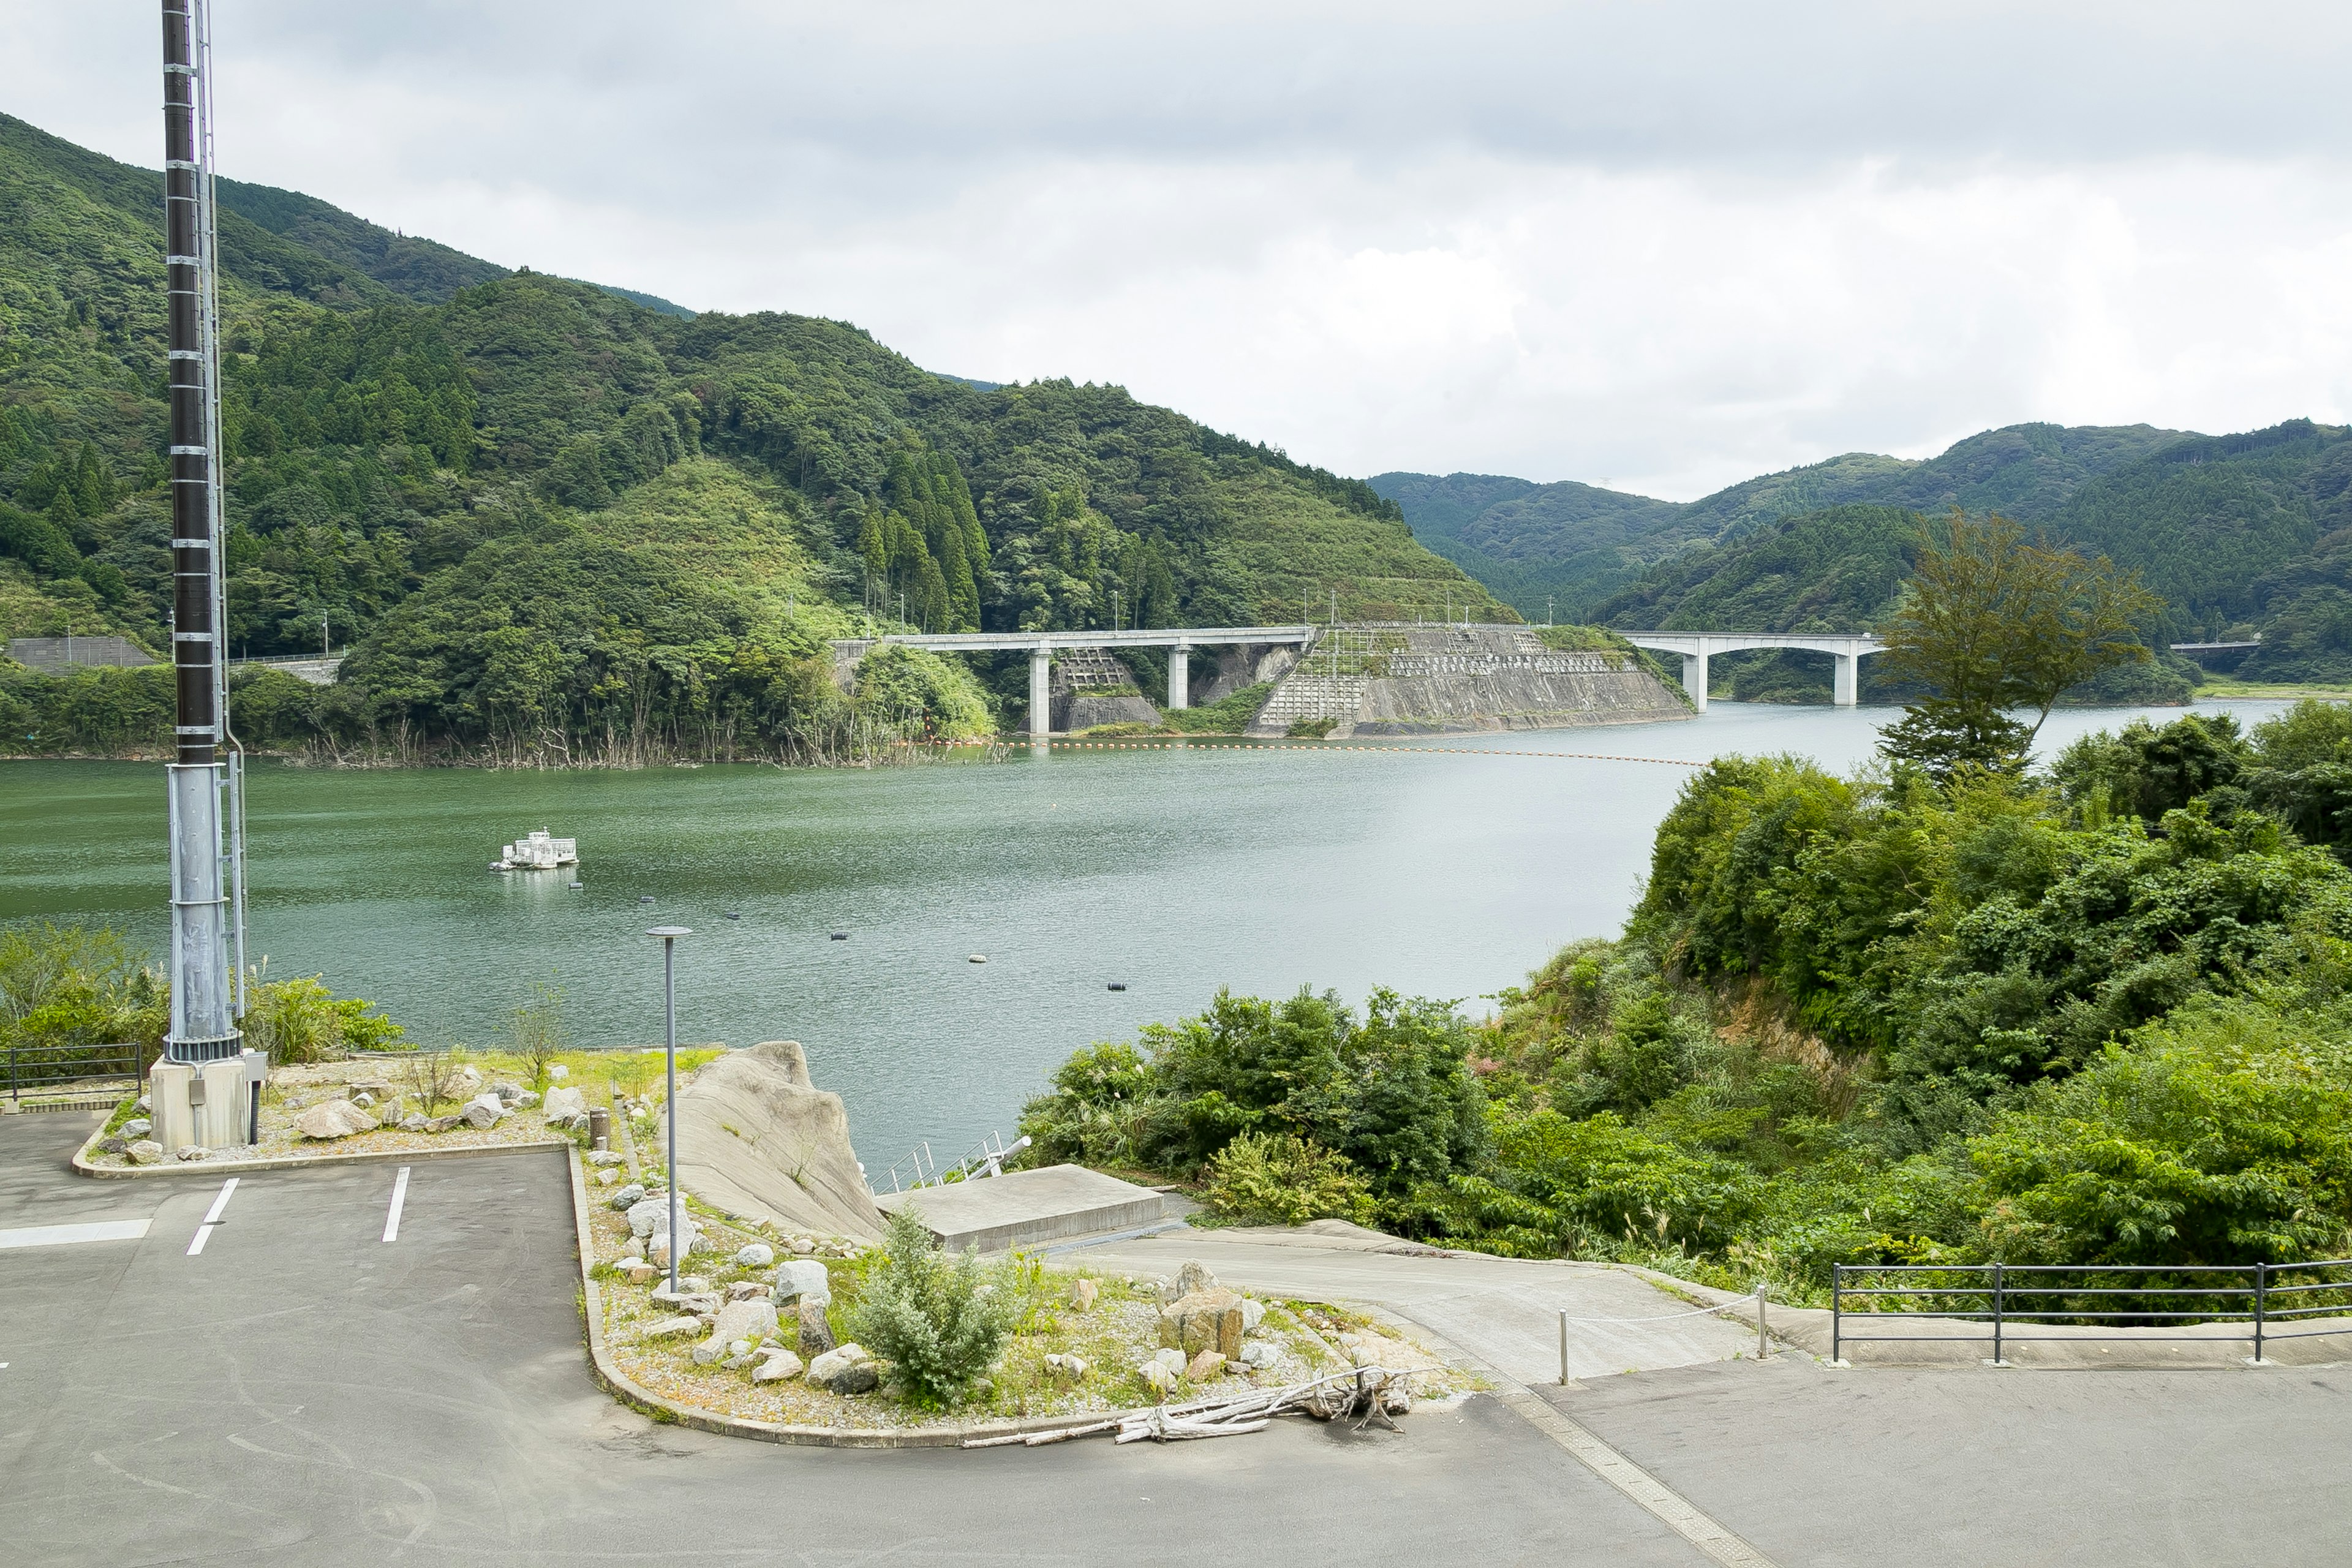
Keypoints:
(212, 1217)
(399, 1196)
(62, 1234)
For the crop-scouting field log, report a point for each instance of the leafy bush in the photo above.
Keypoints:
(302, 1021)
(1270, 1179)
(937, 1323)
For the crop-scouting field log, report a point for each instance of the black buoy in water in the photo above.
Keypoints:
(1119, 985)
(734, 914)
(645, 898)
(577, 886)
(841, 936)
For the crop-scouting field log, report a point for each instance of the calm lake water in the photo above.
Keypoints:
(1443, 873)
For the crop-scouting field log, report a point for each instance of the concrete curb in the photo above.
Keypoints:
(83, 1167)
(609, 1377)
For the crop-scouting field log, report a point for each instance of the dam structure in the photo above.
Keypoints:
(1696, 647)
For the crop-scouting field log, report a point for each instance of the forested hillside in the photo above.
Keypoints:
(549, 517)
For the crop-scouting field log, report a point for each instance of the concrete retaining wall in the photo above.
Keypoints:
(1434, 680)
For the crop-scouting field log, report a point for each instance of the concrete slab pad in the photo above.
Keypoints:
(995, 1214)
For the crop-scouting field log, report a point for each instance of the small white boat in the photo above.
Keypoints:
(537, 852)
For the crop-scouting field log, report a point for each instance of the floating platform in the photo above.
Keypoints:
(537, 851)
(1021, 1208)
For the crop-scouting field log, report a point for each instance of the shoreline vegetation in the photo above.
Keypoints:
(2091, 1016)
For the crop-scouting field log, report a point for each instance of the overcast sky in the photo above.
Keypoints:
(1659, 246)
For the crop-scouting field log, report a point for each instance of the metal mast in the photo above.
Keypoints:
(203, 1012)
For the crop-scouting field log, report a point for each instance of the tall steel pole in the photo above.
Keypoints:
(203, 1021)
(669, 935)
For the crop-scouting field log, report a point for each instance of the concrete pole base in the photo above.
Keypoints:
(169, 1090)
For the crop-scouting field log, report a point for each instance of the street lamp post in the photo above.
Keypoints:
(669, 935)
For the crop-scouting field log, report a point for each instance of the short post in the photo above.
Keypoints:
(1837, 1312)
(1997, 1360)
(1563, 1347)
(669, 935)
(2261, 1302)
(1763, 1343)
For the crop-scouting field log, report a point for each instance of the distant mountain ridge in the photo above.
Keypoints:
(1579, 545)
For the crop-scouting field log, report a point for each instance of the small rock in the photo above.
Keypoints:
(1066, 1368)
(1204, 1366)
(606, 1178)
(605, 1157)
(669, 1328)
(1173, 1360)
(632, 1247)
(1258, 1355)
(137, 1127)
(779, 1366)
(414, 1123)
(1253, 1314)
(803, 1246)
(483, 1111)
(116, 1145)
(816, 1332)
(646, 1211)
(638, 1270)
(145, 1152)
(525, 1101)
(738, 1362)
(363, 1099)
(824, 1366)
(746, 1290)
(145, 1104)
(627, 1198)
(508, 1093)
(804, 1280)
(334, 1119)
(1162, 1380)
(686, 1298)
(744, 1321)
(758, 1255)
(1194, 1276)
(1083, 1293)
(441, 1123)
(559, 1071)
(469, 1076)
(195, 1151)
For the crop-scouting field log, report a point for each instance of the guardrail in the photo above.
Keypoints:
(33, 1069)
(2004, 1294)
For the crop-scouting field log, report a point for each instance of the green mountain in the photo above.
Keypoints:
(544, 512)
(1579, 545)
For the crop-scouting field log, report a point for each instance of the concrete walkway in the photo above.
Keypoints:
(1504, 1310)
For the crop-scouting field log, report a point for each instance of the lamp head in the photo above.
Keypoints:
(669, 933)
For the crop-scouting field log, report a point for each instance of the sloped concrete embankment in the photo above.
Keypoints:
(1435, 681)
(757, 1137)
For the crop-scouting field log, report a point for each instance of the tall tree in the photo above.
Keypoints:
(1993, 625)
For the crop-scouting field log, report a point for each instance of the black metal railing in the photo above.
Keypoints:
(33, 1069)
(2001, 1296)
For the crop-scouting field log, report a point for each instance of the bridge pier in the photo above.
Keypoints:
(1695, 678)
(1041, 691)
(1845, 684)
(1180, 677)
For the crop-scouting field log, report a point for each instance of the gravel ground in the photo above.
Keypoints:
(1118, 1333)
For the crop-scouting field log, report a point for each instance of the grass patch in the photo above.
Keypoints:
(1227, 716)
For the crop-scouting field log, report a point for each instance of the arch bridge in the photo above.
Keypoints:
(1698, 648)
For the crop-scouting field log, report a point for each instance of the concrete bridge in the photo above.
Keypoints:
(1179, 642)
(1696, 647)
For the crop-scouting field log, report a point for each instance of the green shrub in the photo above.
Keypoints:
(1282, 1179)
(935, 1322)
(301, 1021)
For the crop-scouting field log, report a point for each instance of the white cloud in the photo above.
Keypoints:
(1665, 246)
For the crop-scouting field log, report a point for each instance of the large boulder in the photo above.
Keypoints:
(1203, 1321)
(483, 1111)
(755, 1136)
(753, 1320)
(334, 1119)
(806, 1278)
(564, 1103)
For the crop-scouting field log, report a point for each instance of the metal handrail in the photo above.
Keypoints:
(89, 1064)
(1997, 1291)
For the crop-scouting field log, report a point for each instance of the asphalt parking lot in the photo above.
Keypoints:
(300, 1391)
